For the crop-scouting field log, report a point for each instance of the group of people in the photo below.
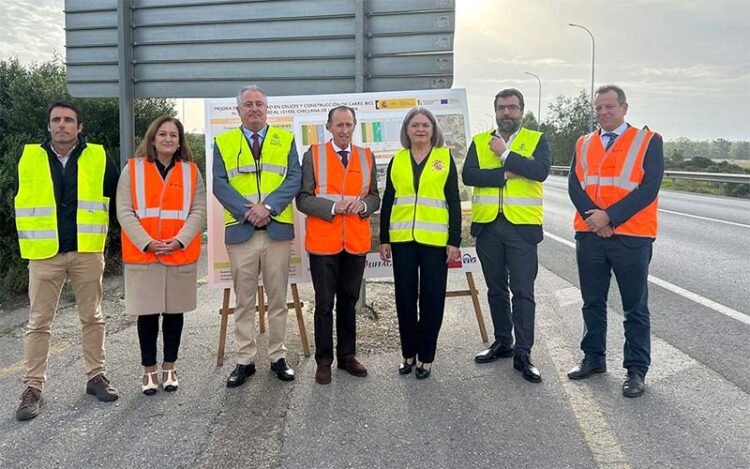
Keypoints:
(66, 186)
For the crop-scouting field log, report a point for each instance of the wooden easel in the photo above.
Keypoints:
(225, 311)
(474, 294)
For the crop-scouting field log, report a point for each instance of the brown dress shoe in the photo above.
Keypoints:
(353, 366)
(323, 374)
(100, 387)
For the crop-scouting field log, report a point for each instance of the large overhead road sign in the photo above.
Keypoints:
(210, 48)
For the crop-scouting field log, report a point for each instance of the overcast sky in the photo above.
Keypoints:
(684, 64)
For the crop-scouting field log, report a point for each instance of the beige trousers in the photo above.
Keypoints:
(46, 278)
(260, 255)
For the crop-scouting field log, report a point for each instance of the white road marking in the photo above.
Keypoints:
(719, 308)
(704, 218)
(741, 225)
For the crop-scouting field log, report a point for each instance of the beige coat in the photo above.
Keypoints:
(158, 288)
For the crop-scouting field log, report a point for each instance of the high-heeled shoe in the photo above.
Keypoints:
(152, 384)
(405, 367)
(171, 383)
(422, 373)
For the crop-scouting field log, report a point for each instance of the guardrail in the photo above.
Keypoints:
(720, 178)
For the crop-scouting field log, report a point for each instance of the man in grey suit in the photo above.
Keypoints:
(339, 193)
(256, 174)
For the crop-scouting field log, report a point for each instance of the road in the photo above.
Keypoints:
(695, 413)
(703, 248)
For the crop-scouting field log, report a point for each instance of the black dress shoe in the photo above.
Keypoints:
(495, 351)
(283, 371)
(405, 368)
(527, 369)
(422, 373)
(586, 368)
(634, 384)
(240, 374)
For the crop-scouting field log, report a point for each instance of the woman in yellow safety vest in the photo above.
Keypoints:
(161, 205)
(420, 227)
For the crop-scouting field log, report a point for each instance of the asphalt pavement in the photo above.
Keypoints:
(694, 414)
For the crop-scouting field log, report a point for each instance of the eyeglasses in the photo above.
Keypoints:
(509, 107)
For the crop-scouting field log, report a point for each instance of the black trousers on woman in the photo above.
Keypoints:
(148, 332)
(420, 274)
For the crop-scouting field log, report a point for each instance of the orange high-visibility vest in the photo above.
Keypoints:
(348, 232)
(162, 206)
(608, 176)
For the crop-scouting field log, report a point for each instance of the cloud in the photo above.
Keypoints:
(32, 31)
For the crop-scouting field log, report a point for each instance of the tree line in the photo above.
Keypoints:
(25, 94)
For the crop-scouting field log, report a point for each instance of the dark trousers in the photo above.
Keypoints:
(148, 331)
(339, 276)
(505, 256)
(597, 258)
(420, 274)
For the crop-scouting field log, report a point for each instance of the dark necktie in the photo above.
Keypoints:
(256, 146)
(344, 157)
(612, 137)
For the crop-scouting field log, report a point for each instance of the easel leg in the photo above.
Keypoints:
(477, 307)
(300, 321)
(223, 328)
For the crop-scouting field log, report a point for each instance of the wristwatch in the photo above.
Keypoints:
(270, 209)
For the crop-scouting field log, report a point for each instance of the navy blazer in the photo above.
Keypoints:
(536, 169)
(235, 203)
(623, 210)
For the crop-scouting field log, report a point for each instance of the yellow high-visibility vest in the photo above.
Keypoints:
(242, 170)
(36, 208)
(420, 216)
(522, 198)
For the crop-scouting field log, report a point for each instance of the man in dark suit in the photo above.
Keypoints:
(339, 193)
(614, 182)
(256, 174)
(507, 166)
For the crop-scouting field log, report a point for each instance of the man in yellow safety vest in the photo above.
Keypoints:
(62, 210)
(507, 166)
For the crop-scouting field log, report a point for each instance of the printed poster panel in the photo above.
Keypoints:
(379, 119)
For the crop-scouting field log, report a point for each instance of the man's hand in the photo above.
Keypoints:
(385, 252)
(597, 219)
(497, 146)
(356, 207)
(344, 206)
(511, 175)
(258, 214)
(605, 232)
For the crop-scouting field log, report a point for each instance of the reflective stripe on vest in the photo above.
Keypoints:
(36, 208)
(522, 199)
(246, 175)
(162, 207)
(608, 176)
(623, 180)
(420, 217)
(345, 231)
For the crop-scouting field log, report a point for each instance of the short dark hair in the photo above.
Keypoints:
(621, 99)
(509, 93)
(64, 103)
(341, 108)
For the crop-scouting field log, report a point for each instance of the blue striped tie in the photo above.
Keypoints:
(612, 137)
